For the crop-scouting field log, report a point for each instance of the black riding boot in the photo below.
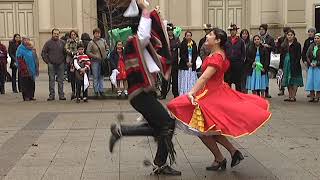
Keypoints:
(124, 130)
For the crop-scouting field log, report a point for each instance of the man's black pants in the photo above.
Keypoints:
(161, 125)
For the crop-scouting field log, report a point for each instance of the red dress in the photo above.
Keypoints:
(122, 69)
(224, 110)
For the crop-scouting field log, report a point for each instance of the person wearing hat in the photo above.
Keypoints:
(236, 52)
(207, 28)
(307, 43)
(174, 49)
(268, 42)
(147, 54)
(203, 51)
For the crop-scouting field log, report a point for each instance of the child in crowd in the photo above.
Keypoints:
(82, 65)
(117, 60)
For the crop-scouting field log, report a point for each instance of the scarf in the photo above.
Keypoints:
(315, 50)
(25, 56)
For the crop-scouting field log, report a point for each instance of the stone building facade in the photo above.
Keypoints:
(36, 18)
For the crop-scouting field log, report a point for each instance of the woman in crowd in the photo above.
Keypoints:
(187, 66)
(98, 51)
(13, 46)
(257, 58)
(313, 60)
(28, 67)
(212, 110)
(85, 38)
(290, 65)
(117, 60)
(245, 36)
(71, 50)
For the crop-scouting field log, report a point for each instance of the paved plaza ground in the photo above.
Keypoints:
(62, 140)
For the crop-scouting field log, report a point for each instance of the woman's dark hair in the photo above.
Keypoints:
(116, 44)
(14, 36)
(286, 29)
(73, 31)
(285, 44)
(222, 35)
(256, 36)
(291, 31)
(85, 37)
(185, 34)
(245, 31)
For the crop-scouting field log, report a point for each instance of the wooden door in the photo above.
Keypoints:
(221, 13)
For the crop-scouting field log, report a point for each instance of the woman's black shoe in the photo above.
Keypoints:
(115, 136)
(221, 165)
(236, 158)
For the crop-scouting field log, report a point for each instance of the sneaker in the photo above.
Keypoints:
(102, 94)
(50, 98)
(119, 93)
(78, 100)
(62, 98)
(126, 93)
(85, 99)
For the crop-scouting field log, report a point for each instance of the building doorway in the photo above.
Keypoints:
(223, 13)
(316, 17)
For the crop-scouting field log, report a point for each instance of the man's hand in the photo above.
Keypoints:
(82, 70)
(253, 64)
(266, 45)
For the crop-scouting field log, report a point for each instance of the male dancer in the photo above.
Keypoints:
(148, 53)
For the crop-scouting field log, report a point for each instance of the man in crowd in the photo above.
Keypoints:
(236, 51)
(53, 55)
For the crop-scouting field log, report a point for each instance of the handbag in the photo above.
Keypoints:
(279, 77)
(106, 69)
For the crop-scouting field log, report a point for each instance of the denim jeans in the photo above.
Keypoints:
(53, 70)
(97, 77)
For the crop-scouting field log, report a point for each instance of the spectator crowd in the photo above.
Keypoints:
(75, 59)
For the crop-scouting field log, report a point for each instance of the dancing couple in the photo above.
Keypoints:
(211, 110)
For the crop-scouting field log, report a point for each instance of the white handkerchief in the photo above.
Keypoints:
(86, 81)
(152, 66)
(132, 10)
